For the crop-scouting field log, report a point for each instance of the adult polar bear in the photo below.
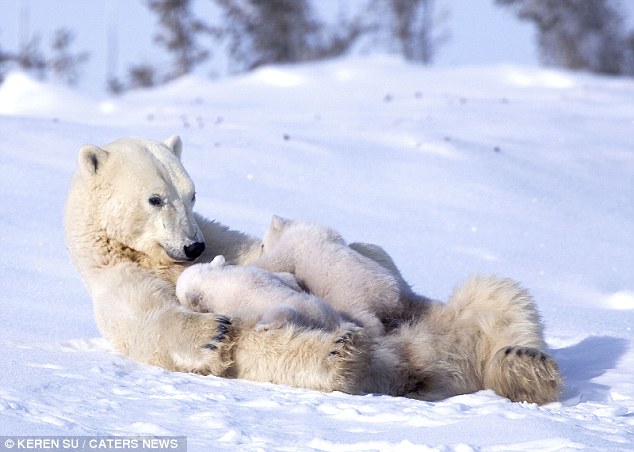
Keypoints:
(131, 230)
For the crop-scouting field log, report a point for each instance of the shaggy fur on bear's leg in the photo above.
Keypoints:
(312, 359)
(436, 357)
(139, 315)
(461, 347)
(211, 340)
(509, 321)
(523, 374)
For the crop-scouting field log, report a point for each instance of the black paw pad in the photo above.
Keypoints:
(532, 353)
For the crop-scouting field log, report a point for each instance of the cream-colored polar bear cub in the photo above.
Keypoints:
(274, 299)
(322, 263)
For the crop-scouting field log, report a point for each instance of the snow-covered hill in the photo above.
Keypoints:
(519, 172)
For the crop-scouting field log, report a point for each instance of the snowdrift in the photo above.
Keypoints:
(519, 172)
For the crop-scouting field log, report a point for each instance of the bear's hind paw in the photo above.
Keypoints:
(524, 374)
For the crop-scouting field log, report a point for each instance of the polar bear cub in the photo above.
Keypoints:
(322, 263)
(244, 292)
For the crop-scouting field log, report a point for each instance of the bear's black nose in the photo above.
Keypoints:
(194, 250)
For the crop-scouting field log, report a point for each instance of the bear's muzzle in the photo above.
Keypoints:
(194, 250)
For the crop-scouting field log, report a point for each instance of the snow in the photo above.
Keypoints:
(507, 170)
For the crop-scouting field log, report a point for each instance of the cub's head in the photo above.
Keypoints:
(195, 286)
(295, 232)
(136, 192)
(275, 232)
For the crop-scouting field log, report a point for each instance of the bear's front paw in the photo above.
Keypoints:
(346, 342)
(524, 374)
(208, 340)
(349, 358)
(223, 328)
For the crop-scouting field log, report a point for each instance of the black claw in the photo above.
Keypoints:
(223, 329)
(345, 338)
(519, 352)
(218, 338)
(531, 353)
(508, 350)
(211, 347)
(224, 320)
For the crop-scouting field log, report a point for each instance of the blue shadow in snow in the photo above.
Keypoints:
(585, 361)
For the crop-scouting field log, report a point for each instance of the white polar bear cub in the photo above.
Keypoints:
(274, 299)
(322, 263)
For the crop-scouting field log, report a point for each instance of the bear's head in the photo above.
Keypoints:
(136, 193)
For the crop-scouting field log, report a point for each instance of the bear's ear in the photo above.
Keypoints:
(218, 262)
(91, 159)
(278, 222)
(175, 144)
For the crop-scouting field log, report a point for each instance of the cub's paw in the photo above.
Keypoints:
(524, 374)
(277, 318)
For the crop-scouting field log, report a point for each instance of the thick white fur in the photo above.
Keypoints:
(462, 347)
(323, 263)
(246, 292)
(129, 255)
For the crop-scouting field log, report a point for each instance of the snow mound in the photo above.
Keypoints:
(21, 95)
(622, 300)
(514, 171)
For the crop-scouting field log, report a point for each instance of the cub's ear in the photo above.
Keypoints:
(288, 279)
(194, 297)
(218, 262)
(91, 159)
(175, 144)
(278, 222)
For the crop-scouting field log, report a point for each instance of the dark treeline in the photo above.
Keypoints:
(576, 34)
(253, 33)
(580, 34)
(58, 61)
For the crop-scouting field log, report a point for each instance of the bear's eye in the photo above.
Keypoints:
(155, 201)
